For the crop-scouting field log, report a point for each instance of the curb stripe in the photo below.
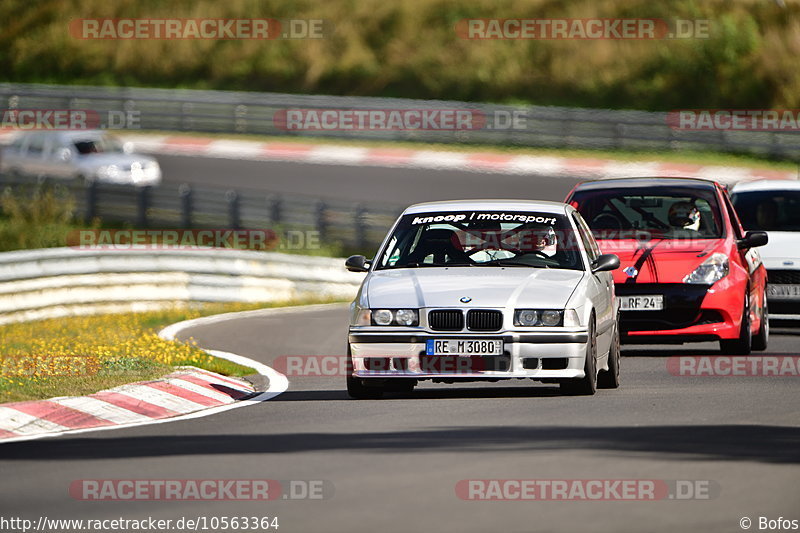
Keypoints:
(135, 405)
(239, 384)
(161, 399)
(100, 409)
(488, 162)
(25, 424)
(185, 394)
(228, 392)
(216, 395)
(64, 416)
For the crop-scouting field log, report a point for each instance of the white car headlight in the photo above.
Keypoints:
(710, 271)
(395, 317)
(538, 317)
(382, 317)
(406, 317)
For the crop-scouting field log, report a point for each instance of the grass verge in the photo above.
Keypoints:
(80, 355)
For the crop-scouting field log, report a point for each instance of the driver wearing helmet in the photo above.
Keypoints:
(684, 216)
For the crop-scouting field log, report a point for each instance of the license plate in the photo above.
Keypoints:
(786, 292)
(654, 302)
(463, 347)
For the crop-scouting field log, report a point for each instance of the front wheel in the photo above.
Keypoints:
(609, 379)
(744, 343)
(587, 385)
(356, 388)
(761, 339)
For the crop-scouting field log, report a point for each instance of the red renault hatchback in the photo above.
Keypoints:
(688, 271)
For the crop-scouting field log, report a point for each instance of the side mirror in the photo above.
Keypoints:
(127, 147)
(753, 239)
(65, 154)
(357, 263)
(605, 262)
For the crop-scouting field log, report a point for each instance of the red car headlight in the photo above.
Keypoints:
(710, 271)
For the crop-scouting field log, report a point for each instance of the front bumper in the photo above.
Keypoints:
(402, 354)
(692, 313)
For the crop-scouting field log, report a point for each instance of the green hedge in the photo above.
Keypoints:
(411, 49)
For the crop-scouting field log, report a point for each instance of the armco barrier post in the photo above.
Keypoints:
(322, 219)
(185, 192)
(233, 209)
(275, 206)
(142, 203)
(91, 200)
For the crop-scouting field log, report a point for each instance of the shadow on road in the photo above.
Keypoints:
(765, 444)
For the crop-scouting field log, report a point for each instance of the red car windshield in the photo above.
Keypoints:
(650, 213)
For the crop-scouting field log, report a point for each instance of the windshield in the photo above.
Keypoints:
(485, 238)
(652, 213)
(768, 210)
(98, 145)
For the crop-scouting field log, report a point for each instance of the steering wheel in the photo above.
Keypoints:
(606, 221)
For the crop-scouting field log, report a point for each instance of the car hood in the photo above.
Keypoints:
(782, 251)
(486, 286)
(658, 260)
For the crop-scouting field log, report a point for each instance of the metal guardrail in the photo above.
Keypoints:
(49, 283)
(338, 224)
(250, 112)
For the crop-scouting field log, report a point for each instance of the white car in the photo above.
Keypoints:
(84, 155)
(774, 206)
(485, 290)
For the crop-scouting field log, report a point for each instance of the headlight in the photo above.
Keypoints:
(382, 317)
(526, 317)
(537, 317)
(710, 271)
(395, 317)
(406, 317)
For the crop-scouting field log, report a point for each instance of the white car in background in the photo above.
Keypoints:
(774, 206)
(84, 155)
(485, 290)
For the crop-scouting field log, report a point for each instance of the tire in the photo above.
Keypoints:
(742, 345)
(356, 388)
(587, 385)
(609, 379)
(761, 339)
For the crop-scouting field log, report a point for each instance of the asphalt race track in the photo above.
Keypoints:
(400, 186)
(393, 464)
